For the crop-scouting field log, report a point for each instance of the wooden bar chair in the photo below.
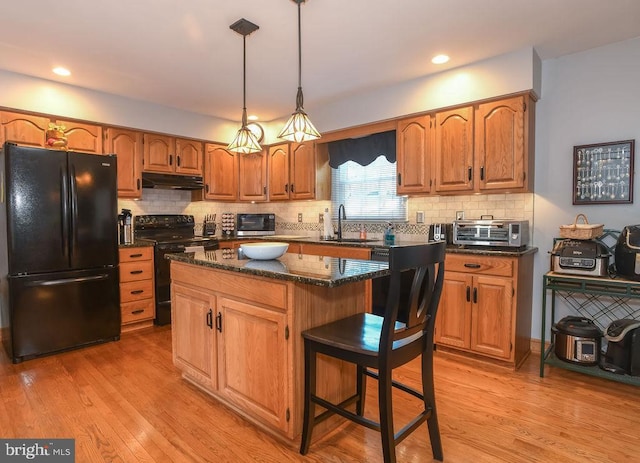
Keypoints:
(383, 343)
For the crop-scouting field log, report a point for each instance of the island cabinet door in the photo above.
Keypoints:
(252, 363)
(194, 334)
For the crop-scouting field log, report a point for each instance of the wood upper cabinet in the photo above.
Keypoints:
(159, 153)
(302, 171)
(23, 129)
(86, 138)
(127, 145)
(485, 306)
(253, 364)
(502, 137)
(278, 161)
(220, 173)
(414, 140)
(453, 155)
(170, 155)
(292, 171)
(253, 176)
(188, 157)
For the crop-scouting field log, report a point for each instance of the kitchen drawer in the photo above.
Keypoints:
(136, 291)
(487, 265)
(137, 311)
(136, 254)
(135, 271)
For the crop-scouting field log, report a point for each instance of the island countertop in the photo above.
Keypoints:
(310, 269)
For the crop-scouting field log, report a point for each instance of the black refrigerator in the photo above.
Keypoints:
(59, 250)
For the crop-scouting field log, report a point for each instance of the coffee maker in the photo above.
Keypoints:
(125, 228)
(623, 349)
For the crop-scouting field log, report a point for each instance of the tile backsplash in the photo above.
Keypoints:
(435, 208)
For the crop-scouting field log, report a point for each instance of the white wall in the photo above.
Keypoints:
(587, 97)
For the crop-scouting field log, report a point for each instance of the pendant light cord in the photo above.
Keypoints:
(244, 81)
(299, 102)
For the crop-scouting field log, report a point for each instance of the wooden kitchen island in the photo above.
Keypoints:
(237, 324)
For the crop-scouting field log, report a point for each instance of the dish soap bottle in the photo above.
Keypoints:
(389, 237)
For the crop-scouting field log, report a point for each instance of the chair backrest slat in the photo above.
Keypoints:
(420, 305)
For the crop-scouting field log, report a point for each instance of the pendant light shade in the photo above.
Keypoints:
(245, 141)
(299, 128)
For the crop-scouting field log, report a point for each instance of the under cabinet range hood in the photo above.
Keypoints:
(171, 182)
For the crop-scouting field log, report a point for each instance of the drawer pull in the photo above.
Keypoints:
(137, 291)
(137, 312)
(136, 272)
(472, 265)
(135, 255)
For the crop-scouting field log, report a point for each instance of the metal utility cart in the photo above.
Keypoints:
(601, 299)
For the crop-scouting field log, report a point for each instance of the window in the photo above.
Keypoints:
(368, 192)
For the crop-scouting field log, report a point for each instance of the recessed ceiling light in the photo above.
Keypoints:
(61, 71)
(440, 59)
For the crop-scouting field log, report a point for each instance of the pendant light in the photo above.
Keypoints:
(245, 141)
(299, 128)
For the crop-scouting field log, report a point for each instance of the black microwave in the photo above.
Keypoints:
(255, 224)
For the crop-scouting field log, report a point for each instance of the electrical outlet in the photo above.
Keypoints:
(299, 216)
(459, 215)
(420, 217)
(320, 218)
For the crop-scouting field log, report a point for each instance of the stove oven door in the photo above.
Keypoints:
(163, 281)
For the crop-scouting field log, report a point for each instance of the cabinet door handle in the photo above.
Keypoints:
(399, 179)
(292, 188)
(171, 159)
(264, 190)
(475, 295)
(286, 188)
(470, 173)
(210, 318)
(137, 312)
(468, 294)
(206, 188)
(472, 265)
(219, 321)
(136, 272)
(138, 183)
(482, 173)
(178, 160)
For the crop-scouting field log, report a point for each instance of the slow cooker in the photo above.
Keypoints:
(577, 340)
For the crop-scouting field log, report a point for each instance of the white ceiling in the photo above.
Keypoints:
(182, 54)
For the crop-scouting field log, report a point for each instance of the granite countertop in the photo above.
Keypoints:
(314, 270)
(376, 243)
(137, 243)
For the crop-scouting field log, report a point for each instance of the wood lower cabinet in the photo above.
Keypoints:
(485, 307)
(328, 250)
(23, 129)
(237, 336)
(127, 145)
(137, 294)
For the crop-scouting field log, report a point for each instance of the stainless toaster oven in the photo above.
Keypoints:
(491, 232)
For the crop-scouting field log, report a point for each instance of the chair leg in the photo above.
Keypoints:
(309, 388)
(385, 405)
(361, 389)
(428, 392)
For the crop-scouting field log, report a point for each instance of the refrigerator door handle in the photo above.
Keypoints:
(66, 281)
(74, 208)
(64, 187)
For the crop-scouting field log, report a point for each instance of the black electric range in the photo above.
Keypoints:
(169, 233)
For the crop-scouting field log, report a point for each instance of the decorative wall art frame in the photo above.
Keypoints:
(603, 173)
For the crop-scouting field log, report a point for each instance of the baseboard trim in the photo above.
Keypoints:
(535, 346)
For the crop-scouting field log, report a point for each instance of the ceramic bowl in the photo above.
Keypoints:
(264, 251)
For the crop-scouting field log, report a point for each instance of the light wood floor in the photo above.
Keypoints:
(124, 402)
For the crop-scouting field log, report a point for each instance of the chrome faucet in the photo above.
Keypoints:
(341, 217)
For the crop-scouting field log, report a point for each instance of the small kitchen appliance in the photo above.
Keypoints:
(577, 340)
(125, 227)
(491, 232)
(623, 347)
(627, 252)
(580, 257)
(255, 224)
(441, 232)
